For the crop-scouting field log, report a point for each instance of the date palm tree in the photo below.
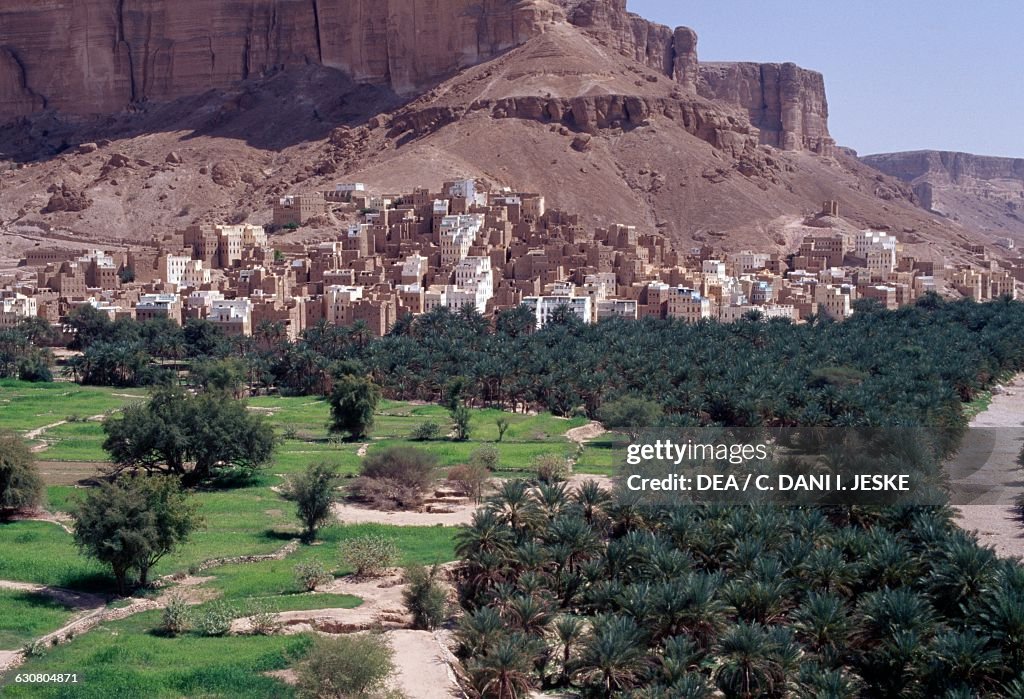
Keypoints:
(613, 657)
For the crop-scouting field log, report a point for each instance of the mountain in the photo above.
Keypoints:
(135, 117)
(983, 193)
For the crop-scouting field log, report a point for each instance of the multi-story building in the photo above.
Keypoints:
(153, 306)
(687, 304)
(544, 307)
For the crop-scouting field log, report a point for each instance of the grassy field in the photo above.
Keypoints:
(27, 406)
(43, 553)
(26, 615)
(129, 658)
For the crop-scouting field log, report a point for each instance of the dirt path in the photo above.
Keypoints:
(422, 658)
(987, 475)
(585, 433)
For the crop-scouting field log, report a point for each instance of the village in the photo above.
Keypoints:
(489, 251)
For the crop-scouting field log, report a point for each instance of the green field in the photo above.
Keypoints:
(27, 406)
(129, 657)
(26, 615)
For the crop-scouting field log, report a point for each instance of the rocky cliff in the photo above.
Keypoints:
(786, 102)
(97, 56)
(101, 56)
(983, 192)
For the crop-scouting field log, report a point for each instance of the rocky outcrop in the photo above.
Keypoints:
(786, 102)
(590, 114)
(98, 56)
(985, 191)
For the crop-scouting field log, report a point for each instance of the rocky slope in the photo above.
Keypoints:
(605, 113)
(981, 192)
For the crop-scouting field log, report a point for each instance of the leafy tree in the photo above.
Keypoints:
(353, 402)
(133, 522)
(313, 491)
(21, 488)
(199, 438)
(220, 375)
(630, 414)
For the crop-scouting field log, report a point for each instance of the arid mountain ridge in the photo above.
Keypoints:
(101, 56)
(983, 192)
(137, 117)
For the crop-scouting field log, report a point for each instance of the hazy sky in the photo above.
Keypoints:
(900, 74)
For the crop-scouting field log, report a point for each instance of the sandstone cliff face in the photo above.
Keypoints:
(983, 192)
(786, 102)
(101, 56)
(97, 56)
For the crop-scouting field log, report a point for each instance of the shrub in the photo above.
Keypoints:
(461, 417)
(263, 618)
(502, 424)
(551, 468)
(470, 479)
(426, 431)
(411, 467)
(356, 665)
(177, 616)
(35, 649)
(385, 494)
(424, 597)
(488, 457)
(369, 555)
(214, 619)
(311, 574)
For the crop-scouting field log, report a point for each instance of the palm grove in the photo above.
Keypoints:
(596, 591)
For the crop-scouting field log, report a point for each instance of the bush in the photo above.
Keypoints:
(551, 468)
(408, 466)
(356, 665)
(470, 479)
(461, 417)
(177, 616)
(263, 618)
(214, 619)
(310, 575)
(425, 432)
(369, 555)
(424, 597)
(385, 494)
(35, 649)
(488, 457)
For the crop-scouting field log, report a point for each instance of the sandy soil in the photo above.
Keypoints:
(994, 441)
(460, 515)
(421, 657)
(585, 433)
(422, 665)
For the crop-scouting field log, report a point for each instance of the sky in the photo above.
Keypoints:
(899, 74)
